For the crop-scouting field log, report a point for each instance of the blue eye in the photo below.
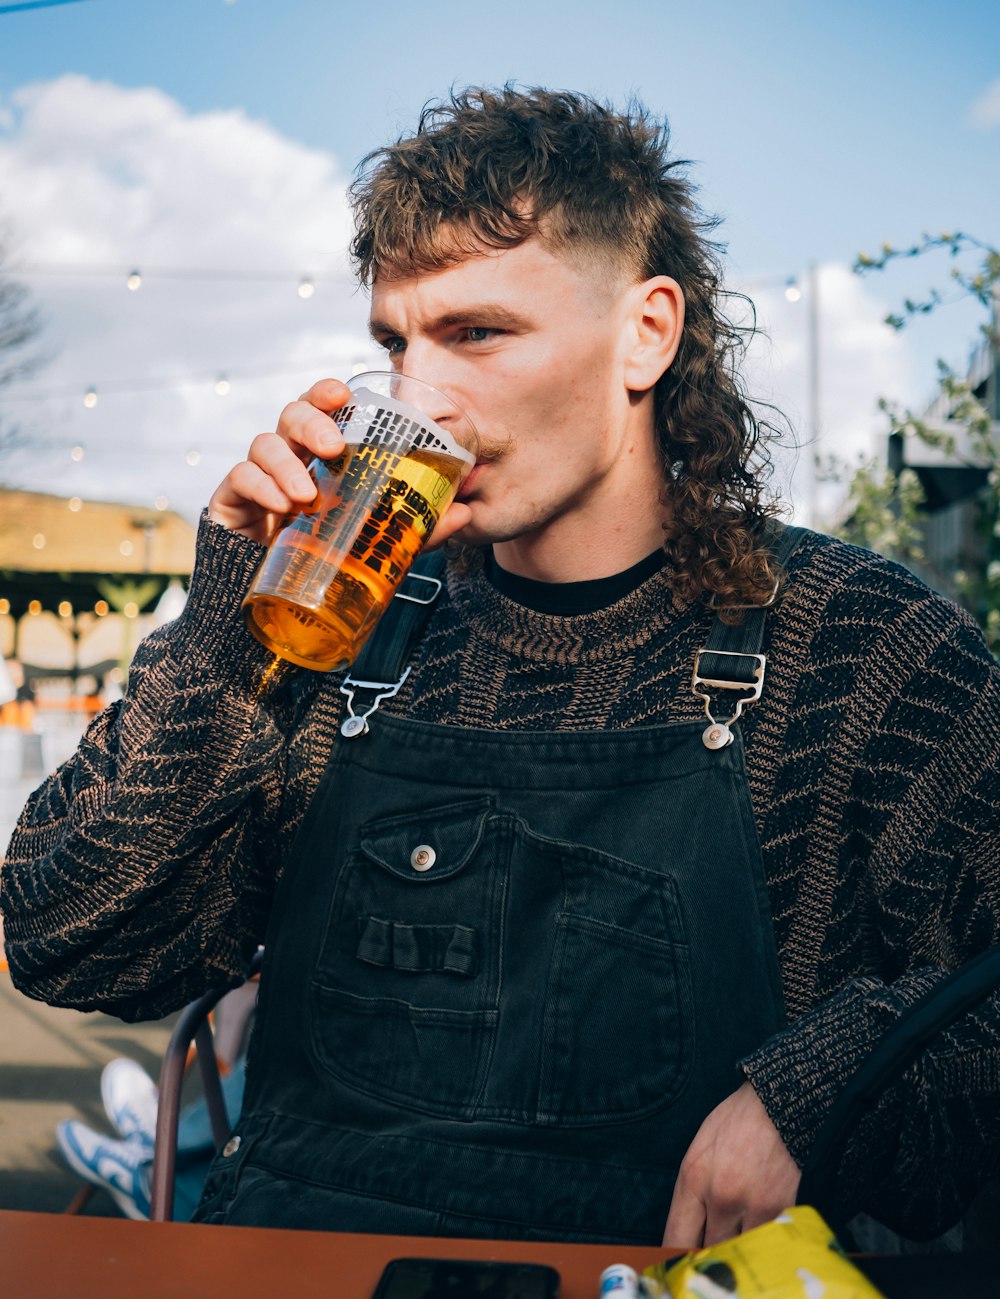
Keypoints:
(479, 333)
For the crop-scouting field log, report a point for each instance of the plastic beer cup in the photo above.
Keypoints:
(333, 566)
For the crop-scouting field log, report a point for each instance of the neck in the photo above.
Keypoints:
(590, 544)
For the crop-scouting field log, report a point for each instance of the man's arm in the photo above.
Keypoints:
(918, 894)
(141, 871)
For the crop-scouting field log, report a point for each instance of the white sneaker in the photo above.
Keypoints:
(122, 1168)
(130, 1101)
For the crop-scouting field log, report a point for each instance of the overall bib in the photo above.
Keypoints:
(506, 978)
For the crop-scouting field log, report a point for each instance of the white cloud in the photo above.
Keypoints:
(985, 112)
(860, 359)
(97, 175)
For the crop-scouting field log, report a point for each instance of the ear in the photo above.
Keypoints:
(657, 319)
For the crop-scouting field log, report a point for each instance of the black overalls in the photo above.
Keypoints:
(506, 977)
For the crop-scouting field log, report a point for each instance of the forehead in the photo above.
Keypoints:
(517, 275)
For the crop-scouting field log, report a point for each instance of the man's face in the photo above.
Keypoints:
(530, 344)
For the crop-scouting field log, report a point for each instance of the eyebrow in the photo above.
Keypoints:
(489, 314)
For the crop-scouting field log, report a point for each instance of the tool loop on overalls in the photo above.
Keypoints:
(750, 677)
(357, 723)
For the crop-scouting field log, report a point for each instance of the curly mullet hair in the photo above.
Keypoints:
(490, 168)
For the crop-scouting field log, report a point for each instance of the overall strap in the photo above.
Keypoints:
(732, 658)
(378, 671)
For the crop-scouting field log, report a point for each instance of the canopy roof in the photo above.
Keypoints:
(56, 548)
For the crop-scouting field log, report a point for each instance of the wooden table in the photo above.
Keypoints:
(50, 1256)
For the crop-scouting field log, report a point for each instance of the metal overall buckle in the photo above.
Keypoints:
(718, 735)
(357, 723)
(435, 582)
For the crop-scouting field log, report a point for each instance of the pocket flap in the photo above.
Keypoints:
(430, 845)
(418, 949)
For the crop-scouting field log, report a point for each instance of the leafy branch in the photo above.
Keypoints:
(885, 510)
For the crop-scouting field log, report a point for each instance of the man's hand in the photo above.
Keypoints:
(736, 1174)
(273, 479)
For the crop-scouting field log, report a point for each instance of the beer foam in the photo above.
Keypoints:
(373, 418)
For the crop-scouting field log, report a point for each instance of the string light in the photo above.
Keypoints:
(134, 277)
(131, 610)
(76, 453)
(306, 287)
(250, 374)
(162, 502)
(90, 398)
(222, 386)
(193, 457)
(101, 608)
(35, 608)
(4, 607)
(38, 541)
(792, 291)
(125, 547)
(65, 609)
(75, 504)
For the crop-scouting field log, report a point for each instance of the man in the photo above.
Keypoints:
(546, 956)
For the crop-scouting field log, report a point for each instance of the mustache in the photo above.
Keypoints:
(491, 449)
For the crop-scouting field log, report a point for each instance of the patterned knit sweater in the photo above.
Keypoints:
(143, 870)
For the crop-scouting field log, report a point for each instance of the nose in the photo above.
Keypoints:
(429, 364)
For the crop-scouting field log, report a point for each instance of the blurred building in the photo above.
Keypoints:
(80, 581)
(954, 480)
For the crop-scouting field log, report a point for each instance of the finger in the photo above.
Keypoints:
(327, 395)
(685, 1227)
(278, 461)
(722, 1223)
(454, 519)
(246, 501)
(309, 432)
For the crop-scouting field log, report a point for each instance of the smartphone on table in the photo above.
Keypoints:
(443, 1278)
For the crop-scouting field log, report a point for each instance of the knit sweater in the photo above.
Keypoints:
(143, 870)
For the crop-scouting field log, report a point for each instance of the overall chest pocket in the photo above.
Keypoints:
(406, 990)
(474, 969)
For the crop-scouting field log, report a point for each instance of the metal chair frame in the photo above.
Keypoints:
(192, 1026)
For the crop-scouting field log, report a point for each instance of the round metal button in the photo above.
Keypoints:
(352, 726)
(717, 736)
(231, 1147)
(423, 857)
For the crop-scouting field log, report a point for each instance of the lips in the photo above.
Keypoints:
(468, 486)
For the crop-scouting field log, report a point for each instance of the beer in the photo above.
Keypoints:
(333, 568)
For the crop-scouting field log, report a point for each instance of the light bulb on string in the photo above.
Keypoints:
(134, 281)
(75, 504)
(358, 367)
(161, 503)
(222, 386)
(90, 398)
(792, 291)
(193, 457)
(306, 287)
(76, 453)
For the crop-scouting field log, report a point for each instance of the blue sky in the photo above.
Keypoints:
(818, 130)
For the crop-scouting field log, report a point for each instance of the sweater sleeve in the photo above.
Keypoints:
(920, 877)
(141, 872)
